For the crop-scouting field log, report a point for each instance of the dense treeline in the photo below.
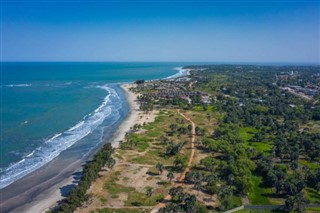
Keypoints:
(251, 100)
(228, 170)
(183, 202)
(249, 97)
(77, 195)
(145, 103)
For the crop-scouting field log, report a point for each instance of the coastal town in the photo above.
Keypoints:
(170, 90)
(159, 106)
(299, 84)
(180, 155)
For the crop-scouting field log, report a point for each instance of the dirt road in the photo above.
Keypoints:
(179, 181)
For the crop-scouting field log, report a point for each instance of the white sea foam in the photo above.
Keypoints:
(18, 85)
(59, 142)
(52, 138)
(30, 153)
(77, 125)
(181, 72)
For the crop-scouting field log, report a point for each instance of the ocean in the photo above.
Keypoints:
(48, 108)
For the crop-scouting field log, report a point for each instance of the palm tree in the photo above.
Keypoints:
(149, 193)
(298, 200)
(171, 207)
(163, 140)
(175, 191)
(176, 208)
(231, 179)
(190, 202)
(111, 162)
(301, 202)
(209, 117)
(198, 131)
(172, 191)
(170, 176)
(279, 185)
(225, 191)
(173, 127)
(197, 185)
(159, 166)
(211, 179)
(317, 187)
(190, 128)
(306, 171)
(188, 178)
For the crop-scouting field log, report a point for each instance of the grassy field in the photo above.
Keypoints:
(261, 195)
(127, 183)
(257, 211)
(313, 210)
(206, 120)
(235, 201)
(147, 143)
(246, 133)
(311, 165)
(312, 195)
(123, 210)
(313, 126)
(258, 193)
(264, 147)
(140, 199)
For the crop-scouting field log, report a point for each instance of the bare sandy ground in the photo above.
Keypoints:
(132, 174)
(129, 173)
(135, 116)
(47, 199)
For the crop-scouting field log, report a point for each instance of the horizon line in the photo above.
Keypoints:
(160, 61)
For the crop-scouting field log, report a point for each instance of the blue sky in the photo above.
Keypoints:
(155, 30)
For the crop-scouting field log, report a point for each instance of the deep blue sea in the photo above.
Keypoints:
(48, 107)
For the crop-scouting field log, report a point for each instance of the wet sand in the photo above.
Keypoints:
(42, 188)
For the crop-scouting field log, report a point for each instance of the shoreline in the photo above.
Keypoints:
(49, 191)
(43, 188)
(132, 116)
(49, 198)
(135, 116)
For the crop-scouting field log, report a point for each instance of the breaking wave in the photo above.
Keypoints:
(181, 72)
(18, 85)
(53, 146)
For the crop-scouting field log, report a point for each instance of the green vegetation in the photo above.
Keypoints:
(114, 188)
(77, 195)
(258, 194)
(258, 211)
(271, 126)
(140, 199)
(265, 145)
(259, 142)
(138, 141)
(123, 210)
(182, 202)
(312, 195)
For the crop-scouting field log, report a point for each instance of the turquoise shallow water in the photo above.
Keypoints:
(48, 107)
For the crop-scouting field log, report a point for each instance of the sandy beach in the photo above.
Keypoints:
(44, 197)
(135, 116)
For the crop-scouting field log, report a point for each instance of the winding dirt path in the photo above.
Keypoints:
(179, 181)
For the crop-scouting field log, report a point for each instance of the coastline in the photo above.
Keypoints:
(135, 116)
(46, 191)
(131, 117)
(50, 196)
